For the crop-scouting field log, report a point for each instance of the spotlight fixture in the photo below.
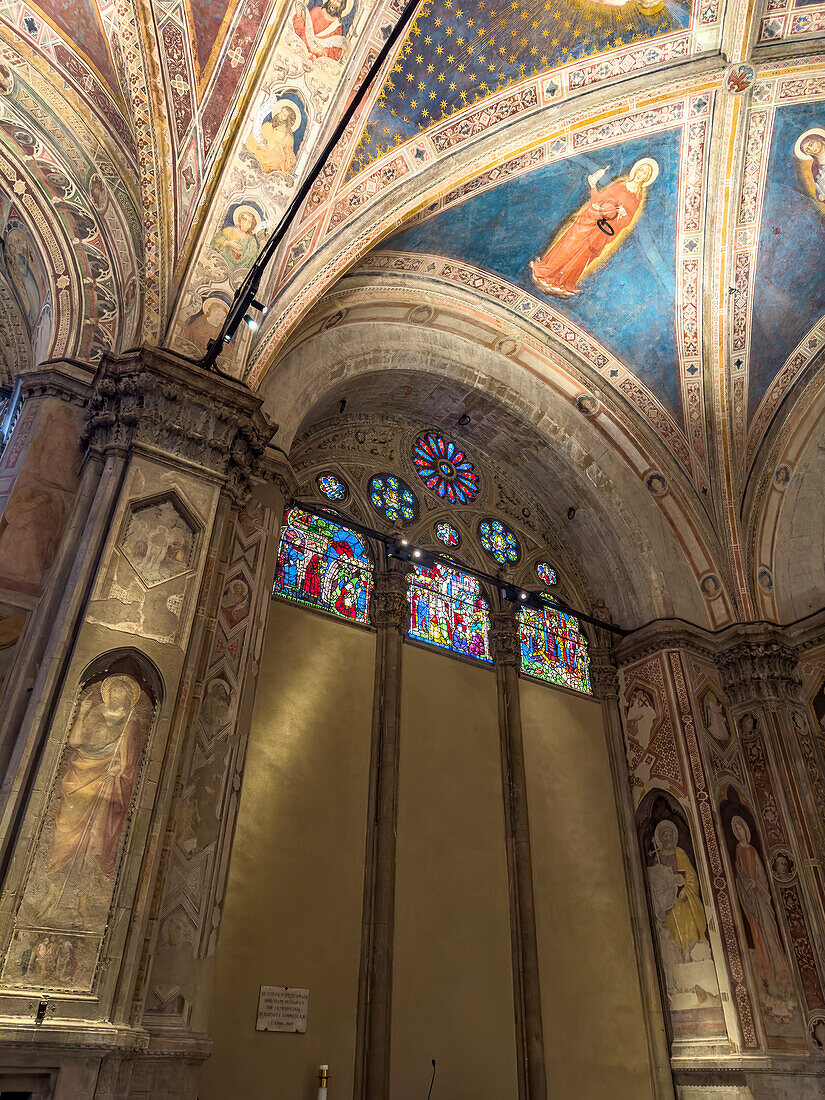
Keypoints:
(524, 599)
(401, 549)
(252, 323)
(262, 309)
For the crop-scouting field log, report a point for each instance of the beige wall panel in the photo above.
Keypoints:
(593, 1024)
(453, 988)
(294, 898)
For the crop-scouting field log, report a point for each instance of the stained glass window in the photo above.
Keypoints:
(499, 541)
(323, 564)
(546, 572)
(393, 498)
(332, 487)
(448, 610)
(447, 534)
(445, 469)
(553, 648)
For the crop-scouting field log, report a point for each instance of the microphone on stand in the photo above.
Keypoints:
(432, 1082)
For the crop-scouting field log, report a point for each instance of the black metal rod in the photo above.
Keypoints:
(451, 563)
(249, 287)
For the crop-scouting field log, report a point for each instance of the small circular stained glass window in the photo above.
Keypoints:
(445, 469)
(332, 487)
(447, 534)
(546, 572)
(393, 498)
(499, 541)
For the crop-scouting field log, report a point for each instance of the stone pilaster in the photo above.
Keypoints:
(391, 615)
(506, 650)
(97, 749)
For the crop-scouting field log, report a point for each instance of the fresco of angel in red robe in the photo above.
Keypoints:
(601, 224)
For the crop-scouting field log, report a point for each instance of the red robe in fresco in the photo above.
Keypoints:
(559, 270)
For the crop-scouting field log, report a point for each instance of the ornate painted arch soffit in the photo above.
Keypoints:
(72, 235)
(483, 348)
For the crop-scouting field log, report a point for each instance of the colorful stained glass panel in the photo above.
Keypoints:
(445, 469)
(325, 565)
(447, 610)
(554, 649)
(332, 487)
(447, 534)
(393, 498)
(546, 572)
(499, 541)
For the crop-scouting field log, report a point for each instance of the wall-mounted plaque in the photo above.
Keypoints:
(282, 1008)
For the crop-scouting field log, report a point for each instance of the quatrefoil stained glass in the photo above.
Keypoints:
(546, 572)
(445, 469)
(447, 534)
(332, 487)
(393, 498)
(499, 541)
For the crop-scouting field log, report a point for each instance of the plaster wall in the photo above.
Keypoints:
(295, 890)
(594, 1030)
(452, 979)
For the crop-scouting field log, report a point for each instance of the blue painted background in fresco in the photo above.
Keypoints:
(789, 292)
(628, 304)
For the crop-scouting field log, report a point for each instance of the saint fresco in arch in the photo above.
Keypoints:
(595, 231)
(276, 136)
(715, 719)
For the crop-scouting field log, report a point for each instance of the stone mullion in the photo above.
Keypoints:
(391, 615)
(604, 678)
(506, 650)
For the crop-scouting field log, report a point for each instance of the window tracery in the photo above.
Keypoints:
(445, 469)
(499, 541)
(546, 573)
(325, 565)
(393, 498)
(446, 533)
(332, 487)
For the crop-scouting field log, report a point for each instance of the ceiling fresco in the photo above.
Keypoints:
(789, 291)
(541, 232)
(456, 54)
(77, 21)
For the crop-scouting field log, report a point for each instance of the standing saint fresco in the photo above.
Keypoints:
(674, 887)
(716, 722)
(757, 905)
(602, 221)
(98, 779)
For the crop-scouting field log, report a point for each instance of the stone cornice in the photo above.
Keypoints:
(67, 379)
(156, 398)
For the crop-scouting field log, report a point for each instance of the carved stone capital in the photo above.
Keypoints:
(505, 643)
(604, 676)
(760, 671)
(158, 399)
(391, 601)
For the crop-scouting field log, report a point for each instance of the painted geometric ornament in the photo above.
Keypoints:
(445, 469)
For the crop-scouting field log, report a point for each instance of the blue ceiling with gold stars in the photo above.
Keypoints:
(458, 53)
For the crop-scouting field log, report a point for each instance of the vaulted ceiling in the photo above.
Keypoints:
(670, 354)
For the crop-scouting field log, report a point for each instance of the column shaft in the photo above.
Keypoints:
(526, 978)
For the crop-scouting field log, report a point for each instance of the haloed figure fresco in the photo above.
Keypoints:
(595, 230)
(810, 155)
